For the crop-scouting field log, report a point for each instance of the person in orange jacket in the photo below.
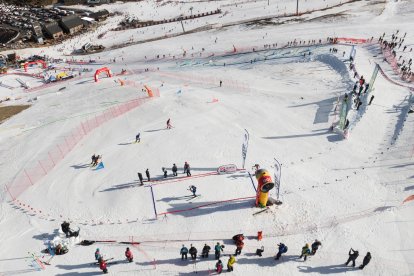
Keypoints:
(129, 255)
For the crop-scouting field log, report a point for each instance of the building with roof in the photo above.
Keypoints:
(52, 30)
(100, 15)
(71, 24)
(37, 32)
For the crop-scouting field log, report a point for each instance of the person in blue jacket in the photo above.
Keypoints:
(184, 252)
(282, 249)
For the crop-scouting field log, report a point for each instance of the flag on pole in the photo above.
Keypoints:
(245, 146)
(278, 174)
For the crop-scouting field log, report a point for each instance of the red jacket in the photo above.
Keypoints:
(102, 265)
(128, 254)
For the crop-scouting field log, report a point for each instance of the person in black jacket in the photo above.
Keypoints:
(366, 260)
(193, 252)
(148, 175)
(315, 246)
(352, 256)
(174, 170)
(205, 251)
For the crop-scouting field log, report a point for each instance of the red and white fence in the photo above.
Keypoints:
(40, 168)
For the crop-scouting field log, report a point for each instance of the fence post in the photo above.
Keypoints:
(53, 162)
(42, 167)
(7, 188)
(30, 180)
(61, 152)
(83, 128)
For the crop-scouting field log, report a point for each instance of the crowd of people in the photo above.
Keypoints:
(174, 169)
(394, 44)
(307, 250)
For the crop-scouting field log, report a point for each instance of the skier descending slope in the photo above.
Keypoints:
(193, 189)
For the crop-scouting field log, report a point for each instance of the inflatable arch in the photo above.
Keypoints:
(35, 62)
(104, 69)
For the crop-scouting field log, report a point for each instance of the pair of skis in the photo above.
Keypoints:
(193, 197)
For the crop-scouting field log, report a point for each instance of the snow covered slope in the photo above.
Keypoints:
(344, 192)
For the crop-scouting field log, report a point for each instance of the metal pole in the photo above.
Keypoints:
(297, 7)
(182, 25)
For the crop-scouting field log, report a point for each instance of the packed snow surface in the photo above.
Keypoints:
(214, 82)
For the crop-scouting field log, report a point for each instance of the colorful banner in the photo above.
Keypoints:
(353, 53)
(278, 175)
(231, 168)
(373, 78)
(342, 115)
(245, 146)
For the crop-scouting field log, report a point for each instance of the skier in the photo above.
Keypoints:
(148, 175)
(239, 247)
(366, 260)
(102, 265)
(282, 249)
(169, 124)
(366, 88)
(165, 172)
(129, 255)
(355, 87)
(217, 250)
(93, 159)
(205, 251)
(97, 254)
(260, 251)
(315, 246)
(140, 178)
(361, 81)
(230, 263)
(352, 257)
(359, 104)
(184, 252)
(137, 138)
(174, 170)
(193, 189)
(221, 83)
(219, 267)
(187, 168)
(305, 252)
(193, 252)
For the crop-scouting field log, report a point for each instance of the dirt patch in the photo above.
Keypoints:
(11, 110)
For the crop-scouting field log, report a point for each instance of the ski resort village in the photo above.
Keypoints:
(201, 137)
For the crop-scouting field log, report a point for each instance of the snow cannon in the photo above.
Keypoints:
(265, 184)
